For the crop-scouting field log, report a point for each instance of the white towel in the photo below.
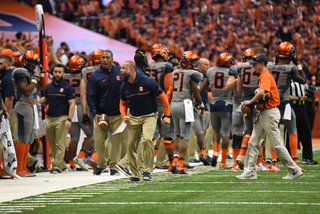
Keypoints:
(36, 117)
(75, 115)
(188, 106)
(287, 112)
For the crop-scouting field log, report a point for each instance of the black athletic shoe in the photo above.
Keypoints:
(98, 171)
(309, 161)
(133, 179)
(146, 176)
(214, 161)
(204, 160)
(162, 167)
(125, 171)
(34, 167)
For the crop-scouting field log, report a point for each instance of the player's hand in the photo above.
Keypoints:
(96, 119)
(303, 98)
(245, 103)
(39, 69)
(199, 110)
(86, 120)
(50, 41)
(67, 124)
(43, 101)
(165, 120)
(126, 119)
(207, 113)
(295, 58)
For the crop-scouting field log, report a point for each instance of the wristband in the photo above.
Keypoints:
(41, 74)
(5, 110)
(34, 80)
(51, 46)
(201, 105)
(69, 119)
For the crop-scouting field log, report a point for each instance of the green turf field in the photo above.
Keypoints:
(205, 190)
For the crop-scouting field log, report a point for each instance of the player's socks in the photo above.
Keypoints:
(293, 144)
(20, 157)
(170, 163)
(216, 149)
(155, 151)
(81, 154)
(94, 157)
(244, 144)
(181, 161)
(224, 155)
(72, 164)
(236, 152)
(203, 151)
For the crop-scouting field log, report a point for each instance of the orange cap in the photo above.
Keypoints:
(7, 52)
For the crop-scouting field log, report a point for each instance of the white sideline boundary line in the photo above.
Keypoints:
(185, 203)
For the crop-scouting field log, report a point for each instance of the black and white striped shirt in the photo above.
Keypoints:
(297, 90)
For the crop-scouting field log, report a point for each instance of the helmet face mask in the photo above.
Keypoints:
(76, 63)
(225, 59)
(30, 60)
(96, 57)
(159, 50)
(189, 60)
(286, 50)
(247, 54)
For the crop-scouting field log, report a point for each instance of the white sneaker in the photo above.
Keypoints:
(247, 176)
(240, 161)
(293, 175)
(261, 168)
(80, 162)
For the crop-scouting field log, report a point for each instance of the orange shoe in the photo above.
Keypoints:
(235, 167)
(181, 170)
(274, 169)
(266, 164)
(4, 175)
(224, 166)
(174, 164)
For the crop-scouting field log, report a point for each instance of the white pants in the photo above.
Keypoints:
(268, 124)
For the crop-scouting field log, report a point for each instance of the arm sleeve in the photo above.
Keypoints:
(167, 81)
(197, 77)
(92, 96)
(71, 93)
(165, 103)
(233, 71)
(123, 108)
(7, 87)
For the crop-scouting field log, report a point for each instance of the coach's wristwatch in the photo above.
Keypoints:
(69, 119)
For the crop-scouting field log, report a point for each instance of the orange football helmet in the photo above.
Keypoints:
(225, 59)
(95, 56)
(247, 53)
(19, 62)
(286, 50)
(159, 50)
(189, 60)
(76, 63)
(30, 60)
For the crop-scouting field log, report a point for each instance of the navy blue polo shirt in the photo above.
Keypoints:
(140, 70)
(103, 91)
(58, 97)
(141, 94)
(6, 85)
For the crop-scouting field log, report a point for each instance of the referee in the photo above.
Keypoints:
(298, 98)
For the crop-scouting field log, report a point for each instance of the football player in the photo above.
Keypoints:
(220, 105)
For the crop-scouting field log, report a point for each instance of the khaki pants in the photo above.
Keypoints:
(57, 134)
(267, 124)
(100, 135)
(162, 157)
(142, 127)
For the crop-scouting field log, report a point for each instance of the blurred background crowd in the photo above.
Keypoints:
(207, 27)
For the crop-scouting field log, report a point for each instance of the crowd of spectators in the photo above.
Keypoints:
(207, 27)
